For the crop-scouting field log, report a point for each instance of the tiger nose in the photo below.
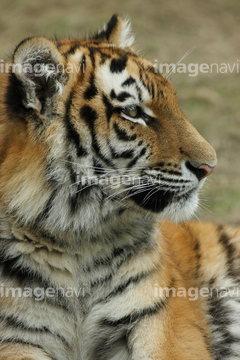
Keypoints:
(201, 171)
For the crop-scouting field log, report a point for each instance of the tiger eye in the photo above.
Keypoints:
(133, 111)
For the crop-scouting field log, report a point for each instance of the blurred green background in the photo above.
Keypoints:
(165, 30)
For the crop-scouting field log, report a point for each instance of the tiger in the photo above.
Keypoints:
(100, 173)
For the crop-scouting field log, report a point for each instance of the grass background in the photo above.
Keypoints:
(165, 30)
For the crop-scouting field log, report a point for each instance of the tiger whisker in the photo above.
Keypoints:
(149, 195)
(123, 191)
(106, 169)
(174, 67)
(138, 191)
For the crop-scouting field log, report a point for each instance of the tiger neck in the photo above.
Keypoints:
(126, 227)
(95, 263)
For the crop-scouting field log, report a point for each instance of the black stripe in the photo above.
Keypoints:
(120, 97)
(212, 282)
(105, 34)
(71, 171)
(152, 90)
(15, 322)
(92, 57)
(72, 134)
(171, 172)
(112, 336)
(135, 160)
(118, 65)
(14, 341)
(121, 288)
(11, 268)
(45, 213)
(220, 317)
(81, 196)
(129, 81)
(219, 311)
(230, 251)
(98, 169)
(133, 280)
(11, 320)
(81, 191)
(109, 341)
(50, 175)
(59, 301)
(76, 193)
(159, 165)
(73, 48)
(122, 134)
(106, 261)
(136, 315)
(109, 107)
(101, 281)
(91, 90)
(147, 85)
(198, 257)
(110, 26)
(160, 94)
(89, 115)
(119, 255)
(114, 214)
(59, 43)
(127, 154)
(104, 57)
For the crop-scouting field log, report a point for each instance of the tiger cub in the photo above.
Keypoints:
(96, 159)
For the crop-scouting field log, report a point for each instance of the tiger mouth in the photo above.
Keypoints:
(157, 199)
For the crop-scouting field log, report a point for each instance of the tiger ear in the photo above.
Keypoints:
(118, 32)
(39, 68)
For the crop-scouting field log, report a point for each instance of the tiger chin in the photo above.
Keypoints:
(95, 156)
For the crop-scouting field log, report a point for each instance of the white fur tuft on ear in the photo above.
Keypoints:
(126, 38)
(118, 32)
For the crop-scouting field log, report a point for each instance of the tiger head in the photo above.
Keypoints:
(89, 129)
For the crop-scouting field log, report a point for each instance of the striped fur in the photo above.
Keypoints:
(95, 155)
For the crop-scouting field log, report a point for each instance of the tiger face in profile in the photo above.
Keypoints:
(96, 160)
